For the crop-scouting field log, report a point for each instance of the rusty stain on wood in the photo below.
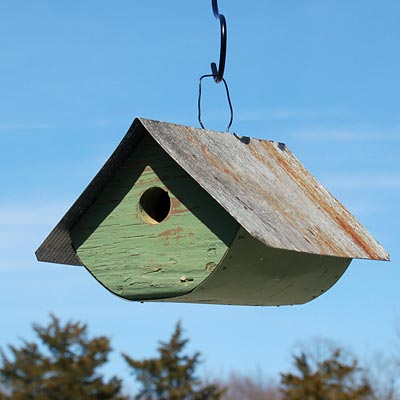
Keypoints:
(261, 184)
(164, 252)
(216, 183)
(267, 190)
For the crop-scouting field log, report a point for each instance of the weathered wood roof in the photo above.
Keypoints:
(259, 182)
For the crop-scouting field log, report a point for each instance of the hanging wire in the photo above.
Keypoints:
(227, 95)
(218, 74)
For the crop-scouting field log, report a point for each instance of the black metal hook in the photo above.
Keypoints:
(218, 74)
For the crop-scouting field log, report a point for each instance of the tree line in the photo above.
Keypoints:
(65, 363)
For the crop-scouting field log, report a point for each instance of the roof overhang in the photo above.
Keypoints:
(259, 182)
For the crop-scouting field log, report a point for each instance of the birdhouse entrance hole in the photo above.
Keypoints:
(154, 205)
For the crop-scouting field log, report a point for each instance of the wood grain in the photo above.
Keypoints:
(138, 260)
(254, 274)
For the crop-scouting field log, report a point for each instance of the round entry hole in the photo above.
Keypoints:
(154, 205)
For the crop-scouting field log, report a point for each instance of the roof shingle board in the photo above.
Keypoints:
(259, 182)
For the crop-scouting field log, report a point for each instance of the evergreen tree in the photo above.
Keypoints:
(63, 365)
(172, 375)
(330, 379)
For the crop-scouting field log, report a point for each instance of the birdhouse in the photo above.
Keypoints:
(190, 215)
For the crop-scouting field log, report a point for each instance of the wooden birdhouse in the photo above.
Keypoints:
(190, 215)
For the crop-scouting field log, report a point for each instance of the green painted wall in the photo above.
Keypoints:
(142, 261)
(254, 274)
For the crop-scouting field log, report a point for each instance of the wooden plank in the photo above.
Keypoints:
(57, 247)
(138, 260)
(260, 183)
(268, 191)
(254, 274)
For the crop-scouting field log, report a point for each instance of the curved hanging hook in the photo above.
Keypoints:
(219, 73)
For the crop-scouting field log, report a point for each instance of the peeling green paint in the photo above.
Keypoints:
(139, 260)
(254, 274)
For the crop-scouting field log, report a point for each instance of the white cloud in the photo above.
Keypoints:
(355, 133)
(35, 125)
(22, 229)
(34, 216)
(345, 135)
(364, 182)
(284, 114)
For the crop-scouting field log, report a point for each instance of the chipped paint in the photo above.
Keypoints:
(259, 183)
(177, 246)
(268, 191)
(253, 274)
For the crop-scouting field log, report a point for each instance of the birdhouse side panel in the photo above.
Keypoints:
(153, 232)
(254, 274)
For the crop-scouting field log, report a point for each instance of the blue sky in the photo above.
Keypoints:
(321, 77)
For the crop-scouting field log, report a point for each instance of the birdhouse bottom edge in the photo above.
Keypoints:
(251, 273)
